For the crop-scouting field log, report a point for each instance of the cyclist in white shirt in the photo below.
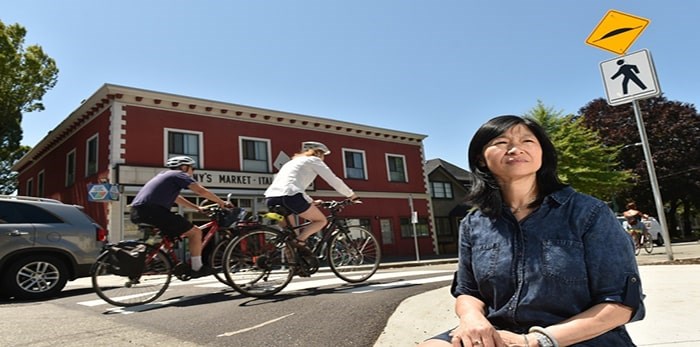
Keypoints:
(288, 189)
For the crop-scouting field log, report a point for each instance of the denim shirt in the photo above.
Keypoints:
(569, 254)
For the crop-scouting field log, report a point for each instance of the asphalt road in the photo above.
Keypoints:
(317, 311)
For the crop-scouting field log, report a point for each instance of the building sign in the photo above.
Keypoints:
(103, 192)
(136, 175)
(617, 31)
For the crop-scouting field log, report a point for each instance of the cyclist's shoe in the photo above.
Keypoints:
(301, 247)
(181, 270)
(204, 271)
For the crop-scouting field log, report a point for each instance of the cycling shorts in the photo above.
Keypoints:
(294, 203)
(171, 224)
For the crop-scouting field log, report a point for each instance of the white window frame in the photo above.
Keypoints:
(364, 164)
(200, 143)
(388, 170)
(444, 184)
(268, 145)
(40, 182)
(70, 176)
(96, 138)
(29, 187)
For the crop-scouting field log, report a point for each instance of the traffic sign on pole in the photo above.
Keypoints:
(629, 77)
(617, 31)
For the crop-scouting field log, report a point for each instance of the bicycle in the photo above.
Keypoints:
(136, 272)
(262, 261)
(643, 240)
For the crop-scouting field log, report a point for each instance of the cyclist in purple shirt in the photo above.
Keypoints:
(153, 202)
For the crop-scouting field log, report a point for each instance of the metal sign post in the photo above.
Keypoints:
(652, 178)
(414, 220)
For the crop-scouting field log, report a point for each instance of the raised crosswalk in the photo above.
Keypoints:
(380, 281)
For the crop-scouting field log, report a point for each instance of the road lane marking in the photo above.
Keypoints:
(254, 326)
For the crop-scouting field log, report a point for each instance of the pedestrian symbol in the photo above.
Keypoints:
(629, 77)
(630, 72)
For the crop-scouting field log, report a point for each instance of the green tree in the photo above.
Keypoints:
(584, 161)
(673, 130)
(25, 76)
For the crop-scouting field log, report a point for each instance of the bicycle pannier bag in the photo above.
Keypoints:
(127, 259)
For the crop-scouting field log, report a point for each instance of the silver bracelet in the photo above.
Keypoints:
(544, 338)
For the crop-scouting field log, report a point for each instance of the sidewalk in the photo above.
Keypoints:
(672, 307)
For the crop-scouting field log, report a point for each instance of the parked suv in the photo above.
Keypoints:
(43, 244)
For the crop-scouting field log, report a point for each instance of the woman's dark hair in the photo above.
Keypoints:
(485, 192)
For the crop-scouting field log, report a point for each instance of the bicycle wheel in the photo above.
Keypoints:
(121, 290)
(255, 263)
(354, 254)
(648, 243)
(217, 260)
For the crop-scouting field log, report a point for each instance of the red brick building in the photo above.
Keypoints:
(122, 136)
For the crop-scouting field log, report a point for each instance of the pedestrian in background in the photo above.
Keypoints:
(539, 263)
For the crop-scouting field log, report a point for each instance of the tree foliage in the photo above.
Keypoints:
(673, 132)
(584, 161)
(25, 76)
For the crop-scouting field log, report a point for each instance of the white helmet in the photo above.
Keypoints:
(306, 145)
(176, 162)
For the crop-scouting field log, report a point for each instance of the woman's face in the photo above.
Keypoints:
(515, 153)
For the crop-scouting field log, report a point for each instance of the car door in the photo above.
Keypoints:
(16, 230)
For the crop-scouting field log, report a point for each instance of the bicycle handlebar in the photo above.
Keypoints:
(332, 204)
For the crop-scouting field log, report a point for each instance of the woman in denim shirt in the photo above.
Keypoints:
(539, 263)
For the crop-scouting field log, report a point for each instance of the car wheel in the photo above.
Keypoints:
(35, 277)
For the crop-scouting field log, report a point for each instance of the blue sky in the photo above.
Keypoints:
(439, 68)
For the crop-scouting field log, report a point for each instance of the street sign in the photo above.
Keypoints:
(629, 77)
(617, 31)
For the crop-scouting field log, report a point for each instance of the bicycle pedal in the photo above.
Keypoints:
(182, 271)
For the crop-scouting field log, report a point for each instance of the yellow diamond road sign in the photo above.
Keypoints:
(617, 31)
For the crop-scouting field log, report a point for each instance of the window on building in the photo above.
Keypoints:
(181, 142)
(441, 190)
(396, 165)
(40, 184)
(354, 163)
(407, 227)
(30, 187)
(255, 154)
(70, 168)
(442, 226)
(387, 231)
(91, 156)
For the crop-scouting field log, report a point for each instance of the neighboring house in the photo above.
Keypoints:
(448, 186)
(122, 136)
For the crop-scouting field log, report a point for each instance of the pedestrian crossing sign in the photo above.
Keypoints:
(617, 31)
(629, 77)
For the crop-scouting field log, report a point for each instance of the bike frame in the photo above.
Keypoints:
(333, 227)
(168, 245)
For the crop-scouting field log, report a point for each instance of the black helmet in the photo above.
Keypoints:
(307, 145)
(175, 162)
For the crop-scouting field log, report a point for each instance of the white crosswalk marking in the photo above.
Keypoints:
(388, 280)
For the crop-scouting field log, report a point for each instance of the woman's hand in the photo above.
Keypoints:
(511, 339)
(475, 331)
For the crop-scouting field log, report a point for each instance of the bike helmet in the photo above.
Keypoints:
(176, 162)
(306, 145)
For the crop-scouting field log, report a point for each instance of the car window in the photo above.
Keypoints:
(18, 213)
